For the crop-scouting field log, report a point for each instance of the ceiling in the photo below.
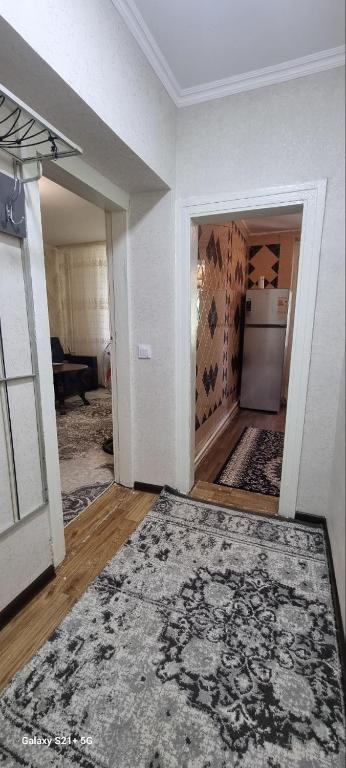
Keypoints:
(204, 49)
(257, 225)
(67, 219)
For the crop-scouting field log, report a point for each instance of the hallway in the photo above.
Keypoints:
(211, 465)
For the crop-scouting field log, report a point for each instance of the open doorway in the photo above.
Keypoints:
(74, 235)
(246, 288)
(308, 199)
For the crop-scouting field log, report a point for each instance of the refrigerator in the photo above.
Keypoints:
(266, 316)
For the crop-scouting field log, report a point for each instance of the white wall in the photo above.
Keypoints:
(88, 44)
(336, 504)
(285, 134)
(151, 249)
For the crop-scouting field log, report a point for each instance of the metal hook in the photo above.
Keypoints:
(9, 205)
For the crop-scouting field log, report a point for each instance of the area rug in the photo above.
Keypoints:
(256, 462)
(208, 641)
(85, 469)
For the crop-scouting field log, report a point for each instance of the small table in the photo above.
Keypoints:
(60, 370)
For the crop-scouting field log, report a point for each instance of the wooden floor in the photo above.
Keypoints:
(232, 497)
(91, 540)
(215, 459)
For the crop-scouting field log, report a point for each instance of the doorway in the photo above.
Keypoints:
(246, 287)
(308, 198)
(78, 297)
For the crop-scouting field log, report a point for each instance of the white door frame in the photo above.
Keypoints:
(117, 255)
(311, 196)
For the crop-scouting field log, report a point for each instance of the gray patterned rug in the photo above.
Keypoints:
(256, 462)
(209, 641)
(85, 469)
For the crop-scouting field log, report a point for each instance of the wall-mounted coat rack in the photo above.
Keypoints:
(26, 137)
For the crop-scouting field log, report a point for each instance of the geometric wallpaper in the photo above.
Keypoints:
(264, 260)
(222, 282)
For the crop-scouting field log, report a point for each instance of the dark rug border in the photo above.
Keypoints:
(239, 487)
(215, 481)
(303, 519)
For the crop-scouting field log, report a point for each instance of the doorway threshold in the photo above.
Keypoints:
(246, 501)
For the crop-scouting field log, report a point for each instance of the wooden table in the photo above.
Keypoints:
(60, 370)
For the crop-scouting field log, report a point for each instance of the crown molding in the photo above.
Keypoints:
(136, 24)
(247, 81)
(259, 78)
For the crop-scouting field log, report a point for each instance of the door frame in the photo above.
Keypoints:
(77, 176)
(311, 196)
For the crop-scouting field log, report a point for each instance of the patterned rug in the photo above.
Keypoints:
(85, 469)
(209, 641)
(256, 462)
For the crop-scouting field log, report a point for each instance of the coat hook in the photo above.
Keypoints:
(14, 197)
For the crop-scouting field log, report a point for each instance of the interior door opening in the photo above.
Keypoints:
(78, 296)
(246, 277)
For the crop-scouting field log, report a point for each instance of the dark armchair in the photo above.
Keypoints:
(74, 384)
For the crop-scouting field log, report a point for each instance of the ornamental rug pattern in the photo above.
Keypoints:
(222, 274)
(85, 469)
(209, 641)
(256, 462)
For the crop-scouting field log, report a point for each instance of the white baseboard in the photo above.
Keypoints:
(216, 434)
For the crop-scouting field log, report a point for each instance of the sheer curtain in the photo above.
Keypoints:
(58, 295)
(81, 297)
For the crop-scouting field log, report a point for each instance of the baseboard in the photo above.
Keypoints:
(303, 517)
(321, 520)
(214, 437)
(24, 597)
(147, 487)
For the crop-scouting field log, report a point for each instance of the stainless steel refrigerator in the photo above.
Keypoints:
(266, 313)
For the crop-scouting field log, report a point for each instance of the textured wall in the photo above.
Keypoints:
(336, 512)
(273, 136)
(222, 264)
(271, 256)
(151, 253)
(90, 47)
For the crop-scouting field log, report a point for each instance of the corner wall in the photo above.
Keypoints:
(152, 267)
(89, 46)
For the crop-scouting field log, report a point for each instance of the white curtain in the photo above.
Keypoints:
(77, 287)
(58, 295)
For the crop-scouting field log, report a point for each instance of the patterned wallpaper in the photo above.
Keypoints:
(271, 255)
(222, 276)
(264, 260)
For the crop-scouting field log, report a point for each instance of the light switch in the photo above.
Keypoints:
(144, 351)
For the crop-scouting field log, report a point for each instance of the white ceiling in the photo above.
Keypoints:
(257, 225)
(67, 219)
(195, 44)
